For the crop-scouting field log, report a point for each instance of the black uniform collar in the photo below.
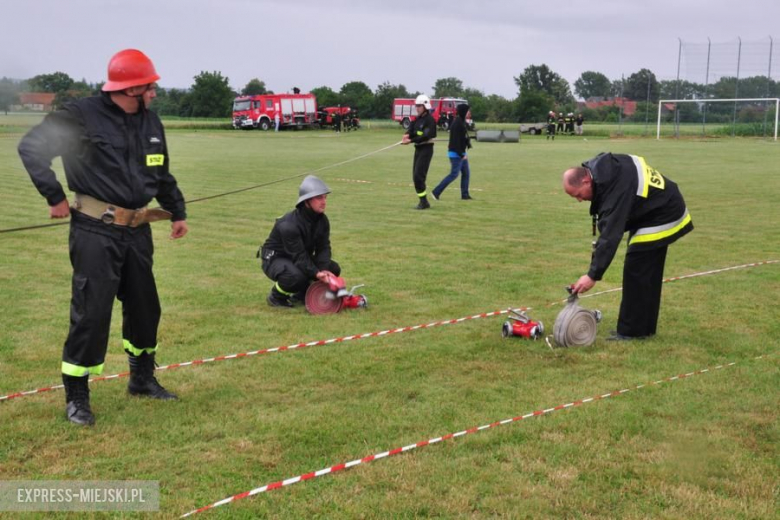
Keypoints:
(106, 98)
(307, 213)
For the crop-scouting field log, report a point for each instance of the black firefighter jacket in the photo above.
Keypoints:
(108, 154)
(629, 195)
(303, 237)
(422, 130)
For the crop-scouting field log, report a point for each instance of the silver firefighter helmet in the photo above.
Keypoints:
(311, 187)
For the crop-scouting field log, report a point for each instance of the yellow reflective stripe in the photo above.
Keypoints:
(646, 177)
(419, 132)
(77, 371)
(279, 288)
(156, 159)
(655, 233)
(132, 350)
(423, 194)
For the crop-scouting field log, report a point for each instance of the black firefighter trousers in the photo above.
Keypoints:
(109, 262)
(643, 273)
(422, 161)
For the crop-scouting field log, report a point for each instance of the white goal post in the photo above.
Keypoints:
(661, 102)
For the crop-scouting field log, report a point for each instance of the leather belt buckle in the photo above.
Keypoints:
(109, 215)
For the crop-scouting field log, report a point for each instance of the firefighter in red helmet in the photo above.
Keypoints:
(115, 158)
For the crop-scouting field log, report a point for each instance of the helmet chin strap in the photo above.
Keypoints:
(138, 98)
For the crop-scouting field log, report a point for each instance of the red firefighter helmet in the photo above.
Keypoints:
(129, 68)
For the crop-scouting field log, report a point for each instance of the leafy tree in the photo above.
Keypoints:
(635, 87)
(77, 90)
(448, 87)
(672, 89)
(592, 84)
(9, 94)
(500, 109)
(616, 88)
(478, 103)
(645, 111)
(168, 102)
(326, 97)
(67, 96)
(210, 96)
(357, 94)
(533, 105)
(53, 83)
(750, 87)
(542, 78)
(255, 87)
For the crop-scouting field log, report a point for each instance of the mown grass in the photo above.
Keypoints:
(699, 448)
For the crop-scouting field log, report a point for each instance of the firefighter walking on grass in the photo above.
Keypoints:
(626, 194)
(116, 161)
(421, 132)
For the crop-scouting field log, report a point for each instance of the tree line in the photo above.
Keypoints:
(539, 90)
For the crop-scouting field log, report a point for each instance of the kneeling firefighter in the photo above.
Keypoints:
(297, 252)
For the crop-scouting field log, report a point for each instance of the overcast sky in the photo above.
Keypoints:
(309, 43)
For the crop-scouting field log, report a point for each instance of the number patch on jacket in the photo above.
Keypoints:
(155, 159)
(655, 179)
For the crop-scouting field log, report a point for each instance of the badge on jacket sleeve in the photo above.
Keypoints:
(157, 159)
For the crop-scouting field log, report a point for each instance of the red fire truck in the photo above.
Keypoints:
(404, 110)
(294, 111)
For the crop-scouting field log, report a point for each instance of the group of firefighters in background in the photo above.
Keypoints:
(564, 124)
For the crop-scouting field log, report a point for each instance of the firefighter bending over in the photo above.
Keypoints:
(297, 252)
(626, 194)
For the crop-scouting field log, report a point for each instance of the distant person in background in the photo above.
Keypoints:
(570, 123)
(421, 132)
(578, 124)
(459, 161)
(551, 125)
(276, 121)
(561, 121)
(337, 120)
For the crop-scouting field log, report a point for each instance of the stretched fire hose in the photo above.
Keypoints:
(575, 326)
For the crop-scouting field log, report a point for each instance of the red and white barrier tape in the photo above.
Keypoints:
(361, 336)
(396, 451)
(676, 278)
(281, 349)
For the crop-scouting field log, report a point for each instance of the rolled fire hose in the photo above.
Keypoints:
(575, 326)
(321, 300)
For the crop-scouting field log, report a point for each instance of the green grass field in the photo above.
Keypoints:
(704, 447)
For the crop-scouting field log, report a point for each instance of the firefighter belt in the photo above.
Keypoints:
(113, 214)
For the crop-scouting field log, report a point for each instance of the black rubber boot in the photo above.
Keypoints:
(77, 408)
(277, 299)
(298, 298)
(142, 380)
(424, 204)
